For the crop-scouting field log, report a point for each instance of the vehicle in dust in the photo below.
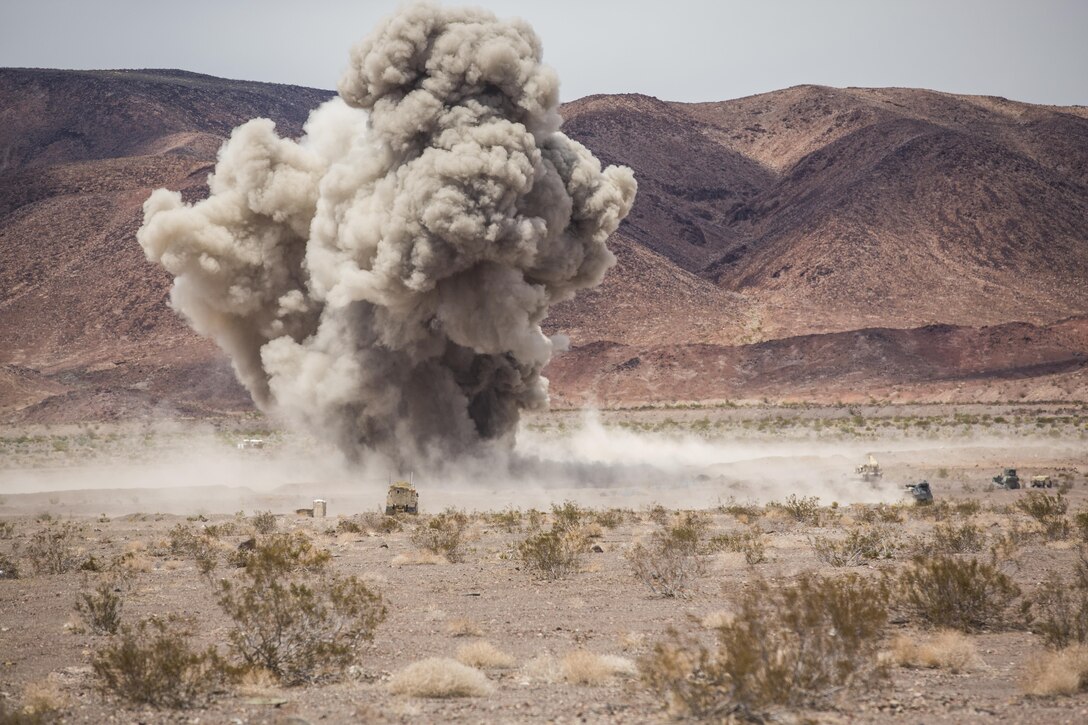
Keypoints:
(921, 492)
(251, 444)
(1042, 482)
(1007, 479)
(870, 470)
(402, 498)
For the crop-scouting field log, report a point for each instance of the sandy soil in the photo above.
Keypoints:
(601, 608)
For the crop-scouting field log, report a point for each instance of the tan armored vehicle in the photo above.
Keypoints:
(870, 470)
(402, 498)
(1041, 482)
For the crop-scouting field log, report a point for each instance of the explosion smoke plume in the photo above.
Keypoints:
(382, 281)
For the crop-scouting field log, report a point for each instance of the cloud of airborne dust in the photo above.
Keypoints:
(382, 281)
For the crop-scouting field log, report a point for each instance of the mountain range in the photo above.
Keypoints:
(809, 244)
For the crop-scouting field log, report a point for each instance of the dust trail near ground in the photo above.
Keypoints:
(381, 282)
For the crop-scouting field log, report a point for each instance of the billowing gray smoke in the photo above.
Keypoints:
(382, 281)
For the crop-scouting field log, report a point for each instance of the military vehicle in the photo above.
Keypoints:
(869, 471)
(1008, 479)
(1042, 482)
(402, 498)
(921, 492)
(251, 444)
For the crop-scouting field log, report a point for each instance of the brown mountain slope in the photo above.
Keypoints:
(778, 247)
(831, 209)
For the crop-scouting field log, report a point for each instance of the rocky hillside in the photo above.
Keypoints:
(811, 243)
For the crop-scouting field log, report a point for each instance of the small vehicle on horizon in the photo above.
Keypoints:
(1007, 479)
(921, 492)
(870, 470)
(402, 498)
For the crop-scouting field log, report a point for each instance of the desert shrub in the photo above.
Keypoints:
(7, 529)
(101, 608)
(672, 559)
(947, 649)
(568, 516)
(657, 514)
(373, 521)
(805, 509)
(155, 663)
(970, 507)
(443, 534)
(264, 522)
(582, 667)
(350, 526)
(1049, 511)
(791, 645)
(610, 518)
(8, 568)
(1063, 672)
(440, 677)
(183, 541)
(745, 512)
(1059, 607)
(963, 594)
(463, 628)
(859, 546)
(51, 549)
(951, 538)
(484, 655)
(551, 554)
(750, 543)
(292, 616)
(218, 531)
(1080, 522)
(509, 520)
(880, 514)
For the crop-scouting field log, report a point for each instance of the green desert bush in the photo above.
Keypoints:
(155, 663)
(786, 646)
(963, 594)
(443, 534)
(293, 616)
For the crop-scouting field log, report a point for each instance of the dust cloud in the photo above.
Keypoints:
(380, 283)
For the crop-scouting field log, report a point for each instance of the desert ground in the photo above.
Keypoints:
(153, 514)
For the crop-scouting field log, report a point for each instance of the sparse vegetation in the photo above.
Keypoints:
(443, 534)
(1048, 511)
(551, 554)
(440, 677)
(484, 655)
(793, 645)
(51, 549)
(946, 649)
(859, 546)
(1059, 608)
(1062, 672)
(264, 522)
(295, 618)
(101, 608)
(804, 509)
(963, 594)
(673, 558)
(155, 663)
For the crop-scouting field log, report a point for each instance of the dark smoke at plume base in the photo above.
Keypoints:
(381, 282)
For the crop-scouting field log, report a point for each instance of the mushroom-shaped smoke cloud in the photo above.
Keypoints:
(382, 281)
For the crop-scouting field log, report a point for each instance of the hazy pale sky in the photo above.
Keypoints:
(680, 50)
